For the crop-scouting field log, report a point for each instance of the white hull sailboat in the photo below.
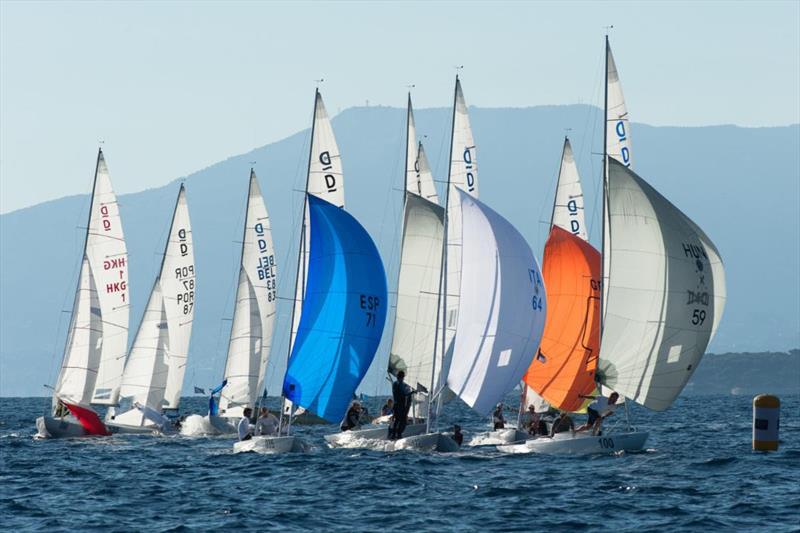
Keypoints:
(271, 445)
(153, 375)
(580, 444)
(98, 332)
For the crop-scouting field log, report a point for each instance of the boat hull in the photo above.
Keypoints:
(499, 437)
(566, 444)
(271, 445)
(68, 427)
(427, 442)
(117, 428)
(364, 438)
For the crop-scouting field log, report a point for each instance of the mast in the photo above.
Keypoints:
(604, 196)
(442, 300)
(408, 138)
(301, 275)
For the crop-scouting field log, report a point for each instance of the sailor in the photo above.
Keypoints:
(401, 393)
(267, 423)
(245, 428)
(562, 424)
(352, 418)
(600, 408)
(536, 426)
(497, 417)
(457, 435)
(388, 408)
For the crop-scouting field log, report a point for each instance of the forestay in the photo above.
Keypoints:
(156, 365)
(343, 313)
(254, 313)
(463, 176)
(417, 291)
(503, 308)
(665, 297)
(98, 333)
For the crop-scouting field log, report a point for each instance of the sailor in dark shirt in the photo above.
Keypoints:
(401, 394)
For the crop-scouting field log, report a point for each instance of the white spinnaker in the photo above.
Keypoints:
(325, 180)
(94, 357)
(413, 344)
(419, 179)
(568, 208)
(76, 380)
(463, 176)
(666, 293)
(156, 364)
(254, 314)
(503, 307)
(178, 289)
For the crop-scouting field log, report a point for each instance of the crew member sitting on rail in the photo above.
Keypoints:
(245, 428)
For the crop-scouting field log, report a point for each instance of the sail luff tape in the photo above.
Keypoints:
(766, 422)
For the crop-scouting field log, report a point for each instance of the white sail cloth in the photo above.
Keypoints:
(503, 308)
(413, 344)
(618, 130)
(665, 297)
(419, 179)
(98, 333)
(157, 362)
(254, 313)
(568, 208)
(463, 176)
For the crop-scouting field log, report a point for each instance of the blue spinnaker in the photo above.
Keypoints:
(344, 311)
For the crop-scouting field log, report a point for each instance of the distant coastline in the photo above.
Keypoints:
(747, 373)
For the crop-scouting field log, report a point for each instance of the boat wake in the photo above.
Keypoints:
(197, 426)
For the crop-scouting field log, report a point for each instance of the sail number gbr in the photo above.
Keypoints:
(370, 304)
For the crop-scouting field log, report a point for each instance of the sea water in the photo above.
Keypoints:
(697, 473)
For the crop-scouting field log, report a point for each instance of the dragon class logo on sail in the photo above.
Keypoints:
(266, 262)
(572, 208)
(469, 168)
(700, 297)
(185, 275)
(622, 140)
(327, 168)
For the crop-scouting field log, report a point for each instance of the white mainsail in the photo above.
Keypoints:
(568, 208)
(98, 334)
(254, 314)
(157, 362)
(503, 307)
(463, 176)
(665, 297)
(419, 179)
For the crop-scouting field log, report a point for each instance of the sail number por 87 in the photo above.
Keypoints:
(186, 276)
(370, 304)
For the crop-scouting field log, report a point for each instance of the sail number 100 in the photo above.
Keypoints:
(370, 305)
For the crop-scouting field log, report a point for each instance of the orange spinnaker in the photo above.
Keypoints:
(564, 367)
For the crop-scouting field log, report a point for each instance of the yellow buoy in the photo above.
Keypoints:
(766, 422)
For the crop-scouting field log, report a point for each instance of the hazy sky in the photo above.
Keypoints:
(174, 87)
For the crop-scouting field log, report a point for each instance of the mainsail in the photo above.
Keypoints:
(413, 343)
(568, 207)
(98, 332)
(254, 313)
(503, 308)
(666, 293)
(463, 174)
(344, 312)
(154, 371)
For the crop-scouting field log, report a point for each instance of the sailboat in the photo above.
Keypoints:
(97, 338)
(325, 181)
(413, 347)
(253, 322)
(153, 375)
(483, 342)
(661, 299)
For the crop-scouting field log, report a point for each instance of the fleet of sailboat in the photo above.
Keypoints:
(475, 316)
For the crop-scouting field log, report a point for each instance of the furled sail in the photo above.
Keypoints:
(565, 364)
(568, 208)
(344, 312)
(665, 297)
(254, 313)
(503, 308)
(98, 333)
(413, 344)
(156, 364)
(463, 176)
